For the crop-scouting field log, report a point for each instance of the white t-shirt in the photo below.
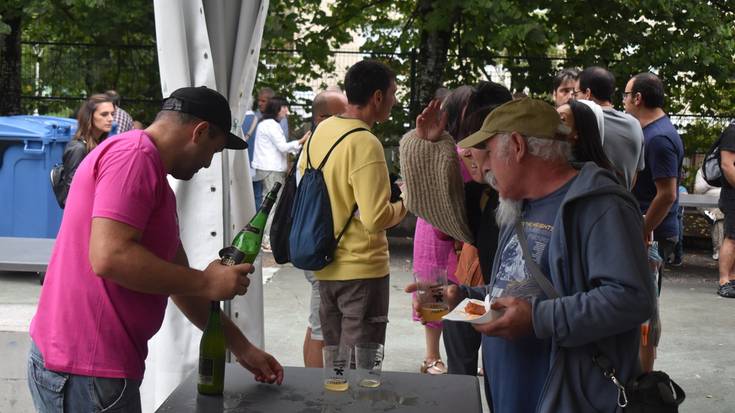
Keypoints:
(271, 147)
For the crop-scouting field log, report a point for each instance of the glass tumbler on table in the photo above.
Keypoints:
(336, 367)
(369, 361)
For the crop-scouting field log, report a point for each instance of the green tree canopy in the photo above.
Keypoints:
(690, 44)
(106, 28)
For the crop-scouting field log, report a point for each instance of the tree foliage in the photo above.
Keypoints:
(95, 55)
(690, 44)
(430, 43)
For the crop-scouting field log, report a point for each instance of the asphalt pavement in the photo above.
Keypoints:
(696, 348)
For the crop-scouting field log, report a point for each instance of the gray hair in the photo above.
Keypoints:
(547, 149)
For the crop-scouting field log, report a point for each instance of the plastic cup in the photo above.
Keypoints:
(431, 284)
(336, 367)
(369, 361)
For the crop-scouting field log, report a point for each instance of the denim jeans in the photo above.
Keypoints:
(679, 247)
(56, 392)
(258, 193)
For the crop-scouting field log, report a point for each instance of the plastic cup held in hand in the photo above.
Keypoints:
(431, 284)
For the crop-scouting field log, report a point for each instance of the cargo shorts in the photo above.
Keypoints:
(354, 311)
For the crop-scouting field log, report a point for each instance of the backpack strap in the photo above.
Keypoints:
(341, 138)
(321, 165)
(308, 143)
(354, 208)
(339, 237)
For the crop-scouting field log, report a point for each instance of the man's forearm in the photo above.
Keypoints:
(133, 266)
(656, 213)
(196, 309)
(728, 172)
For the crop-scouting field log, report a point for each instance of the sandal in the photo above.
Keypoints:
(433, 367)
(727, 290)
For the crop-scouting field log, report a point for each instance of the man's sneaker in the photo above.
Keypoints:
(727, 290)
(676, 262)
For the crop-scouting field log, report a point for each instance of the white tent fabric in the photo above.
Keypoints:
(215, 44)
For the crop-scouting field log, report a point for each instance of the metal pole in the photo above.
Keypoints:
(226, 224)
(413, 111)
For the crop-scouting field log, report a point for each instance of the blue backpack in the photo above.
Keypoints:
(311, 241)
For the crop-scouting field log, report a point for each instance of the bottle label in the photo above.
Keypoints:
(229, 261)
(252, 229)
(206, 371)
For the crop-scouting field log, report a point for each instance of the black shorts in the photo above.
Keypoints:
(729, 229)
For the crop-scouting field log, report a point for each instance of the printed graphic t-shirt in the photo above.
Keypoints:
(517, 369)
(86, 324)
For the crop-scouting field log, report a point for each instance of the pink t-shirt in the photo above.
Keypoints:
(86, 324)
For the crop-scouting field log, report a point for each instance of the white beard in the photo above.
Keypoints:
(508, 212)
(490, 180)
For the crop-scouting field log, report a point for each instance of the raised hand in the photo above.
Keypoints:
(430, 124)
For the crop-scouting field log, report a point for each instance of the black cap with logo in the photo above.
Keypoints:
(208, 105)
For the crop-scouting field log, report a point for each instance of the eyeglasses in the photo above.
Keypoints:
(625, 94)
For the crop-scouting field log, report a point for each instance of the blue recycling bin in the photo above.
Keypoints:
(29, 147)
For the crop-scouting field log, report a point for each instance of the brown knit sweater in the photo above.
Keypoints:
(434, 190)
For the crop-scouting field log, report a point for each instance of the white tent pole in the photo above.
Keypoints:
(226, 223)
(216, 44)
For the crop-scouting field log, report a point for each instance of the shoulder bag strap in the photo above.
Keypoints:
(532, 266)
(598, 358)
(295, 164)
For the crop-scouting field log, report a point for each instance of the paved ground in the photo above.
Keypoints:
(696, 348)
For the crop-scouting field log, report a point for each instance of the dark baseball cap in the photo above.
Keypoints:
(208, 105)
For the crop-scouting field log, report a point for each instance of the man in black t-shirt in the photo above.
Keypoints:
(727, 206)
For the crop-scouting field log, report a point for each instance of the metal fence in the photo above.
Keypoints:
(57, 77)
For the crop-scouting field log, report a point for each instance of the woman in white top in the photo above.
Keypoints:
(270, 157)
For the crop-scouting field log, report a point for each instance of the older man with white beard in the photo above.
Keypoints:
(592, 292)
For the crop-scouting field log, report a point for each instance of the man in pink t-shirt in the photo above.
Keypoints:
(118, 257)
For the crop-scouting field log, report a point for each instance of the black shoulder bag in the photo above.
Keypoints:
(652, 392)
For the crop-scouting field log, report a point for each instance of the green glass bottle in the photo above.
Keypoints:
(212, 348)
(212, 353)
(246, 245)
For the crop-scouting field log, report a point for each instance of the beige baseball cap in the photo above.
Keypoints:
(529, 117)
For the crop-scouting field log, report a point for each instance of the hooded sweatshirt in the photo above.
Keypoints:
(598, 265)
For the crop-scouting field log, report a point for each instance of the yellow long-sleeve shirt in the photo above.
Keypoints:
(355, 173)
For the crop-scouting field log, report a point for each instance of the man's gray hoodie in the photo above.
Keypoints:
(598, 265)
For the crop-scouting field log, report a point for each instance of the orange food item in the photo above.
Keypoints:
(472, 308)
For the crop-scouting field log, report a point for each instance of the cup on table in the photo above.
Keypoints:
(336, 367)
(369, 362)
(431, 284)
